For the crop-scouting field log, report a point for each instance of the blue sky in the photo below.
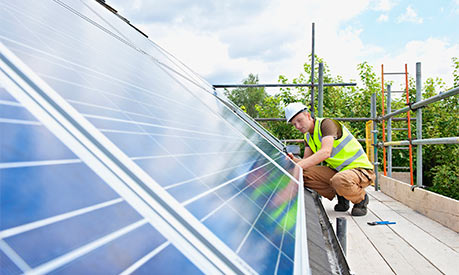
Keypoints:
(226, 40)
(433, 19)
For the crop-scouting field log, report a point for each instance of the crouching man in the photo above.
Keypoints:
(348, 172)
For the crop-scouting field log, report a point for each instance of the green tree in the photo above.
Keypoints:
(455, 72)
(247, 98)
(440, 162)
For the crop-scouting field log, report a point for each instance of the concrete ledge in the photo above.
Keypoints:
(402, 176)
(437, 207)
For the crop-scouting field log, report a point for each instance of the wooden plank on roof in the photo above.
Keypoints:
(442, 256)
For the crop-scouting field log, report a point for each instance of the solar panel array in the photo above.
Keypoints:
(116, 157)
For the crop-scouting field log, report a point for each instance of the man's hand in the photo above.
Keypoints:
(292, 157)
(313, 159)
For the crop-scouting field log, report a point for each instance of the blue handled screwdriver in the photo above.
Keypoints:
(380, 222)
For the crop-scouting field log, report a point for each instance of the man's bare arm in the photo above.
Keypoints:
(321, 155)
(307, 152)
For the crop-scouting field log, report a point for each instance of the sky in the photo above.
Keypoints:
(225, 40)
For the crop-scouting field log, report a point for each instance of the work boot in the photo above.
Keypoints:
(342, 205)
(360, 209)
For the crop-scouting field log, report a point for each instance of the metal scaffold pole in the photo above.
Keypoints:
(312, 71)
(320, 93)
(418, 126)
(409, 124)
(375, 134)
(389, 132)
(423, 103)
(383, 122)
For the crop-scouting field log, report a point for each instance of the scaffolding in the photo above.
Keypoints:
(389, 130)
(371, 122)
(416, 107)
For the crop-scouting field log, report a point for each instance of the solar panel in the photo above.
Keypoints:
(52, 203)
(144, 144)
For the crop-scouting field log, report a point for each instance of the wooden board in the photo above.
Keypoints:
(362, 256)
(435, 229)
(441, 256)
(415, 245)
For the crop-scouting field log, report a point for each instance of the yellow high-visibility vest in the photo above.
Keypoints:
(347, 153)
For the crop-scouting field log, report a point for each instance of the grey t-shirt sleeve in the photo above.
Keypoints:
(330, 127)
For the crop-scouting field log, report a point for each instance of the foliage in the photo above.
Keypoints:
(455, 72)
(440, 162)
(248, 98)
(446, 180)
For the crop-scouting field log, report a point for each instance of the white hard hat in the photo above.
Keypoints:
(293, 109)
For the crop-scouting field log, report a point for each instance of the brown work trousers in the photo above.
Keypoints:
(328, 182)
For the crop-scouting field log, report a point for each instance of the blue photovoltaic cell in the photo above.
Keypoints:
(163, 117)
(7, 266)
(62, 237)
(40, 179)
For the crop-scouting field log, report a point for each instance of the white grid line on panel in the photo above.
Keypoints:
(57, 32)
(145, 133)
(204, 176)
(109, 94)
(72, 255)
(192, 154)
(20, 164)
(232, 197)
(133, 113)
(100, 75)
(261, 234)
(221, 185)
(283, 232)
(145, 259)
(150, 124)
(14, 257)
(105, 77)
(19, 121)
(220, 117)
(22, 24)
(103, 19)
(10, 103)
(251, 200)
(252, 226)
(245, 220)
(124, 111)
(37, 224)
(123, 38)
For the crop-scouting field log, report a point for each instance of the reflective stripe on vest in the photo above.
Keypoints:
(347, 153)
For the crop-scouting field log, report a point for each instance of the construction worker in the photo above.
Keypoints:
(348, 169)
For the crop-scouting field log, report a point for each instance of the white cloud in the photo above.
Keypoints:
(433, 53)
(383, 18)
(276, 40)
(383, 5)
(410, 15)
